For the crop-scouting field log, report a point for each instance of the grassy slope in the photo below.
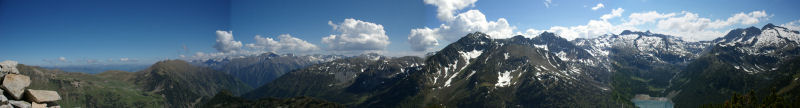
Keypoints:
(169, 83)
(85, 90)
(184, 85)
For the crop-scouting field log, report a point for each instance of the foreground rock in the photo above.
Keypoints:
(42, 96)
(38, 105)
(15, 85)
(20, 104)
(7, 67)
(3, 98)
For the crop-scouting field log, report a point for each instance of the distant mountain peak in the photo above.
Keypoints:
(270, 54)
(549, 36)
(646, 33)
(768, 26)
(768, 36)
(171, 62)
(477, 35)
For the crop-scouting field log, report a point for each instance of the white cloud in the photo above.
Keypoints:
(225, 42)
(446, 8)
(794, 25)
(692, 22)
(690, 26)
(125, 59)
(592, 28)
(227, 47)
(688, 22)
(422, 39)
(742, 18)
(356, 36)
(455, 27)
(547, 3)
(646, 17)
(475, 21)
(199, 54)
(285, 43)
(598, 6)
(62, 59)
(614, 13)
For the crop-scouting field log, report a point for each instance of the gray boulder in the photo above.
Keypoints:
(8, 66)
(20, 104)
(3, 98)
(42, 96)
(38, 105)
(15, 85)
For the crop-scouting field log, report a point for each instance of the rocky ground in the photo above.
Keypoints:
(15, 94)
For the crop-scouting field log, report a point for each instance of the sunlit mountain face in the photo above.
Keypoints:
(409, 53)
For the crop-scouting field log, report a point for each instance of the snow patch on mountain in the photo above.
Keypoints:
(503, 79)
(541, 46)
(505, 55)
(471, 54)
(447, 83)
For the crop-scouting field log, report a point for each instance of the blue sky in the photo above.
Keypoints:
(55, 32)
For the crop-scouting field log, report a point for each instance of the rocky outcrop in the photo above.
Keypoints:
(38, 105)
(14, 86)
(7, 67)
(20, 104)
(42, 96)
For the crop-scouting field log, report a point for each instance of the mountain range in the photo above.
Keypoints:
(549, 71)
(474, 71)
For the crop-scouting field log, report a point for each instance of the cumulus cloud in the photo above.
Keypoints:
(598, 6)
(62, 59)
(225, 42)
(690, 26)
(692, 22)
(693, 27)
(614, 13)
(356, 36)
(227, 47)
(646, 17)
(446, 8)
(794, 25)
(423, 39)
(200, 54)
(455, 27)
(285, 43)
(592, 28)
(125, 59)
(547, 3)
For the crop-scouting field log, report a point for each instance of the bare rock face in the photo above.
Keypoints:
(15, 85)
(6, 106)
(38, 105)
(3, 98)
(20, 104)
(42, 96)
(8, 66)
